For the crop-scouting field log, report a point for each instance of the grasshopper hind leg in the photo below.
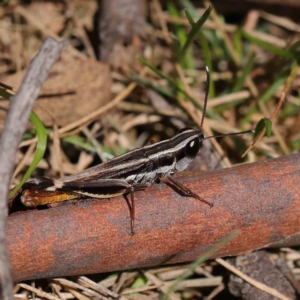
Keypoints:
(131, 203)
(132, 213)
(187, 192)
(131, 206)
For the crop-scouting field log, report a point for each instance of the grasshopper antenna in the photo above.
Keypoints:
(204, 110)
(227, 134)
(206, 95)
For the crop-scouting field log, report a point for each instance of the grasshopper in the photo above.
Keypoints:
(128, 173)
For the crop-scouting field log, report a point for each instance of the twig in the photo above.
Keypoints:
(162, 21)
(20, 108)
(252, 281)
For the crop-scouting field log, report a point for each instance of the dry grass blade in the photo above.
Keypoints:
(38, 292)
(139, 289)
(162, 21)
(98, 287)
(71, 284)
(281, 21)
(215, 292)
(162, 287)
(279, 105)
(78, 295)
(89, 118)
(238, 96)
(252, 281)
(197, 283)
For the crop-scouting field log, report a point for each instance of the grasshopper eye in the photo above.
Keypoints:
(192, 148)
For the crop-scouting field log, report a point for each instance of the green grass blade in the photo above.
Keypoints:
(196, 27)
(157, 71)
(268, 94)
(276, 50)
(40, 146)
(246, 71)
(80, 142)
(147, 83)
(174, 86)
(238, 45)
(40, 150)
(189, 17)
(206, 52)
(181, 36)
(199, 261)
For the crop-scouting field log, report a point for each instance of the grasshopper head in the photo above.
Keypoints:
(187, 145)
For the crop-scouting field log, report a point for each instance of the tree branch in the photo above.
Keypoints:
(260, 200)
(19, 110)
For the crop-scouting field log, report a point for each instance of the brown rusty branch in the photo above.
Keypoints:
(261, 200)
(20, 107)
